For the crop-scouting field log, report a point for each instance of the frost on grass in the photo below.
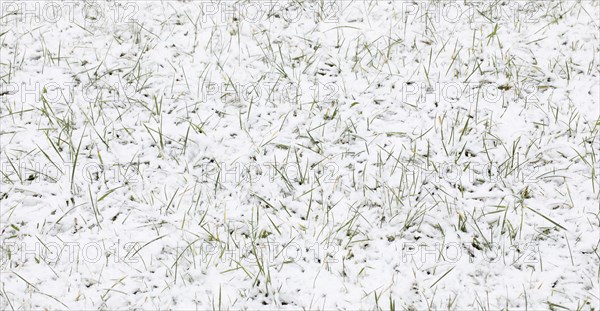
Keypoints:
(299, 155)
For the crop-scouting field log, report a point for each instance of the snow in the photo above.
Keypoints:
(299, 155)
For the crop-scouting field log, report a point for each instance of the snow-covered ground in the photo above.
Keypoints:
(301, 154)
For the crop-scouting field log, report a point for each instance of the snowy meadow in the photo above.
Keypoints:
(300, 154)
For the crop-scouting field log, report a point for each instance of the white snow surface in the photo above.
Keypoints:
(300, 155)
